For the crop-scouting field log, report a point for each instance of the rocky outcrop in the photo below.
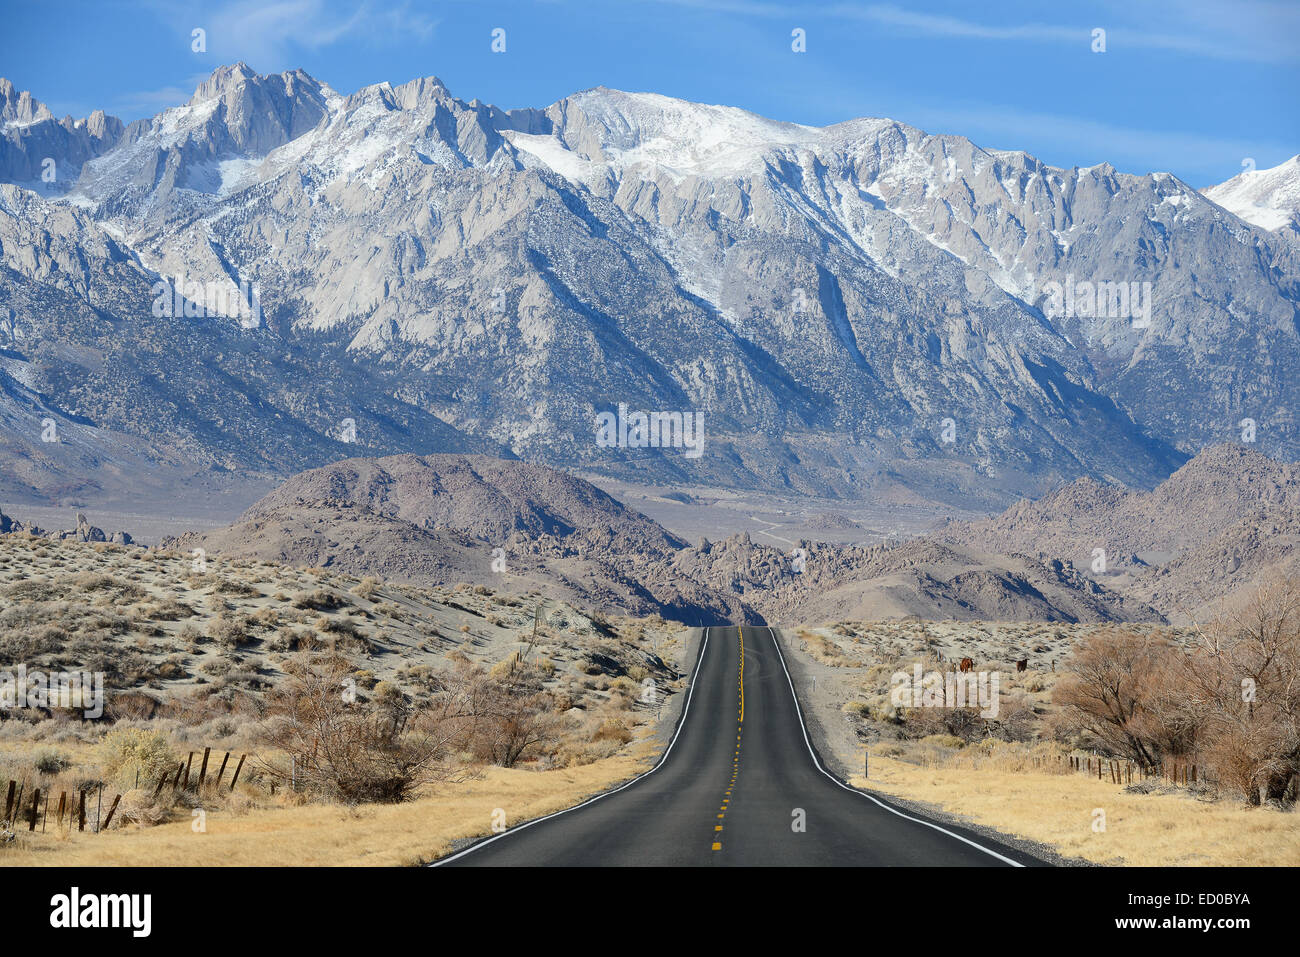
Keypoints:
(1217, 526)
(84, 532)
(10, 526)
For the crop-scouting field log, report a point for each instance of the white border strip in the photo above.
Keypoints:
(852, 790)
(604, 794)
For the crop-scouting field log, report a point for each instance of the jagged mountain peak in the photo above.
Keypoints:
(45, 153)
(225, 80)
(222, 79)
(236, 117)
(19, 106)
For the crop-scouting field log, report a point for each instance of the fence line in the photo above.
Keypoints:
(14, 795)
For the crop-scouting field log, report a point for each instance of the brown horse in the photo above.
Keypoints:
(967, 665)
(1022, 664)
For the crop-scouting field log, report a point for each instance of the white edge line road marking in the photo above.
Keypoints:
(852, 790)
(604, 794)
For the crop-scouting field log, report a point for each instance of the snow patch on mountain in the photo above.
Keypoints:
(1267, 198)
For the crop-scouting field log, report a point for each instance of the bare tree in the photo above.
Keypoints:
(1108, 692)
(1243, 683)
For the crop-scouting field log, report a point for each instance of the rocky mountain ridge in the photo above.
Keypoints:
(850, 308)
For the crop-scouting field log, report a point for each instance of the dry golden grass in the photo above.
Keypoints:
(824, 650)
(331, 835)
(1058, 809)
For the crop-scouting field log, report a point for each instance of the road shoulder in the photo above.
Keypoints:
(841, 753)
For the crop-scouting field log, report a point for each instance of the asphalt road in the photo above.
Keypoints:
(739, 785)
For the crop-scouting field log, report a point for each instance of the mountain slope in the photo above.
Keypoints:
(81, 344)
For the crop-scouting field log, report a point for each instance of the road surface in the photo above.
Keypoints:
(739, 784)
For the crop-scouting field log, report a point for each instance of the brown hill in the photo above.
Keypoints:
(442, 519)
(445, 519)
(918, 578)
(484, 497)
(1213, 527)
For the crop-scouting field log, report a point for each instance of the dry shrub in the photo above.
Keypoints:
(320, 600)
(367, 588)
(138, 808)
(613, 729)
(126, 752)
(348, 749)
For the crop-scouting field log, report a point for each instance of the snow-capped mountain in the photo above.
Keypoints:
(233, 120)
(44, 153)
(848, 306)
(1267, 198)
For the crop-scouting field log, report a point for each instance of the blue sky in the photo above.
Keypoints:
(1191, 87)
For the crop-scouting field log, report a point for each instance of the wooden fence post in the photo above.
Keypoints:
(36, 809)
(177, 780)
(108, 820)
(203, 769)
(63, 803)
(162, 779)
(221, 771)
(81, 812)
(238, 767)
(188, 762)
(9, 799)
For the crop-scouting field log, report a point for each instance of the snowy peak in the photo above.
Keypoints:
(657, 126)
(373, 132)
(235, 117)
(1267, 198)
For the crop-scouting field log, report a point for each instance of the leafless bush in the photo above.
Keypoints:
(353, 750)
(1110, 690)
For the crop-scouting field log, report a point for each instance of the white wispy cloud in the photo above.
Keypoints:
(1243, 30)
(269, 35)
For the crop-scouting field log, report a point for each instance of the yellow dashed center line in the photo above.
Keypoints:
(735, 767)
